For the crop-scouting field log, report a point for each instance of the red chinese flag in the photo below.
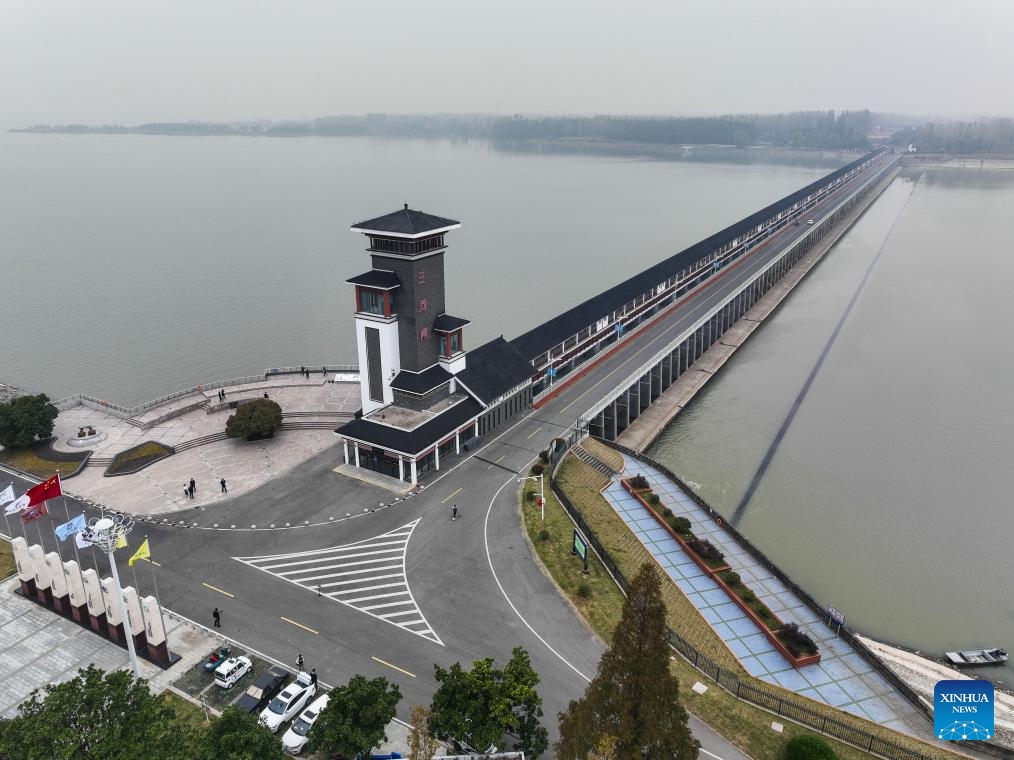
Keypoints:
(47, 489)
(34, 512)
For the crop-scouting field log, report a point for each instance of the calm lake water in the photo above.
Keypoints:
(889, 494)
(133, 266)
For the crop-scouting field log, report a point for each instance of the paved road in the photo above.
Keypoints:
(474, 589)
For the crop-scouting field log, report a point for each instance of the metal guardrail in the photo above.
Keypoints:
(126, 413)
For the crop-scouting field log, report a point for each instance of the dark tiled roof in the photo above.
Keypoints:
(405, 221)
(376, 278)
(569, 323)
(493, 369)
(447, 323)
(421, 382)
(411, 441)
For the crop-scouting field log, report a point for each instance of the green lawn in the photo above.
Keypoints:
(35, 462)
(186, 712)
(7, 566)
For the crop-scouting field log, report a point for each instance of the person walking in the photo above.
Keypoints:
(313, 676)
(217, 617)
(224, 489)
(193, 487)
(299, 662)
(186, 492)
(454, 512)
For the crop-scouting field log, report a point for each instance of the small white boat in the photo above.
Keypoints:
(970, 657)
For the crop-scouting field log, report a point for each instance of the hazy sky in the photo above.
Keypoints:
(134, 61)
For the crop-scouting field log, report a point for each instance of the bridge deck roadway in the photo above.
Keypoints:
(474, 579)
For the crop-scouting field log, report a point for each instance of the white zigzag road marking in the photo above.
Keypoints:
(373, 578)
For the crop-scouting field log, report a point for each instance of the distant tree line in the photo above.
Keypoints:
(835, 130)
(987, 136)
(804, 129)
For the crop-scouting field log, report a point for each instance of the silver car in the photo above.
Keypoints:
(298, 736)
(288, 704)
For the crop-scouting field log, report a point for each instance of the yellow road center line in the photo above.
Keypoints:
(208, 585)
(452, 496)
(300, 625)
(496, 462)
(149, 561)
(535, 431)
(393, 667)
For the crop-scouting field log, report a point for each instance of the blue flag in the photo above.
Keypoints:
(68, 529)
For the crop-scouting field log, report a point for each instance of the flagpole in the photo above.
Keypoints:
(58, 542)
(66, 509)
(10, 533)
(158, 599)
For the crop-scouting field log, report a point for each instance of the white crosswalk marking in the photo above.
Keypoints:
(368, 576)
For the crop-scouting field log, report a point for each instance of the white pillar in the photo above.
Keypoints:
(436, 456)
(345, 449)
(22, 560)
(75, 586)
(457, 442)
(415, 480)
(401, 467)
(355, 448)
(93, 592)
(152, 621)
(39, 567)
(58, 581)
(477, 428)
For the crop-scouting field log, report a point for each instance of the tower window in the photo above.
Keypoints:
(371, 302)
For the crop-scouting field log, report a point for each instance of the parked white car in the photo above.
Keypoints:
(297, 736)
(230, 671)
(287, 704)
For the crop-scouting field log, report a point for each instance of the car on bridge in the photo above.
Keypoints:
(809, 221)
(287, 704)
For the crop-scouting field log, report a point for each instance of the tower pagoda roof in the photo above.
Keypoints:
(406, 223)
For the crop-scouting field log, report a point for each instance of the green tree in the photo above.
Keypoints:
(255, 419)
(239, 736)
(634, 698)
(421, 743)
(480, 705)
(24, 419)
(807, 747)
(356, 717)
(96, 715)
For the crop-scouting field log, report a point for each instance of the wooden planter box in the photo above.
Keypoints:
(796, 662)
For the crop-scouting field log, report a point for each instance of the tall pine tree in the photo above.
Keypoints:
(632, 705)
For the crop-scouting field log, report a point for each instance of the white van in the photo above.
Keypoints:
(230, 671)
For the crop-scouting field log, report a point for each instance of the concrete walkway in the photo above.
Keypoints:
(158, 489)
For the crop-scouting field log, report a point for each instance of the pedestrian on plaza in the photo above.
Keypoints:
(323, 371)
(186, 491)
(265, 394)
(193, 485)
(217, 616)
(299, 662)
(223, 394)
(454, 512)
(302, 370)
(224, 489)
(313, 676)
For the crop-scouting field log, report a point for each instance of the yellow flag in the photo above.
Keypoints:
(141, 553)
(121, 541)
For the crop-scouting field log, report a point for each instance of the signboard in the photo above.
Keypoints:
(580, 548)
(618, 328)
(551, 372)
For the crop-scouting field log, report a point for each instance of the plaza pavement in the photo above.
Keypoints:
(158, 489)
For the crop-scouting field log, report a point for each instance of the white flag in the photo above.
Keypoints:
(7, 494)
(81, 541)
(17, 505)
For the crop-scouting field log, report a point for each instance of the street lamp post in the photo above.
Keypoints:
(106, 532)
(542, 493)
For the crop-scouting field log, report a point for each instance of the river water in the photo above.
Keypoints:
(888, 495)
(132, 266)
